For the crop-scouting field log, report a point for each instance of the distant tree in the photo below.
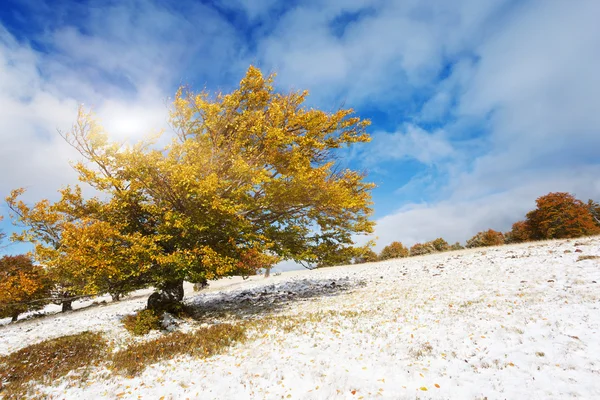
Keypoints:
(368, 255)
(486, 238)
(419, 249)
(23, 286)
(440, 244)
(560, 215)
(457, 246)
(393, 250)
(520, 232)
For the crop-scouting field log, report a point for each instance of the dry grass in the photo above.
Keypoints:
(142, 322)
(581, 258)
(48, 361)
(203, 342)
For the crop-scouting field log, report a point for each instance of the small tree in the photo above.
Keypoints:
(486, 238)
(456, 246)
(23, 286)
(440, 244)
(419, 249)
(560, 215)
(519, 233)
(367, 255)
(393, 250)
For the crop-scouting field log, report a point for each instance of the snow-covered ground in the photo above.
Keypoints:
(511, 322)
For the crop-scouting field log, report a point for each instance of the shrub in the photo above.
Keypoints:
(142, 322)
(393, 250)
(49, 360)
(439, 244)
(486, 238)
(457, 246)
(422, 248)
(203, 342)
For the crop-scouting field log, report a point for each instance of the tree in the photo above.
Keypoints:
(393, 250)
(23, 286)
(419, 249)
(440, 244)
(456, 246)
(367, 256)
(246, 173)
(486, 238)
(520, 232)
(560, 215)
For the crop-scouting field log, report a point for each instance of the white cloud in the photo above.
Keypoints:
(412, 142)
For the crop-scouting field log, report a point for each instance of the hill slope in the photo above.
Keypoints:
(518, 321)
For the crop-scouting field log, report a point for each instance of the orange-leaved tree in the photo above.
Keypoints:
(520, 232)
(23, 286)
(393, 250)
(419, 249)
(486, 238)
(560, 215)
(440, 244)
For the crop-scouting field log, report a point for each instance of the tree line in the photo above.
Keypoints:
(558, 215)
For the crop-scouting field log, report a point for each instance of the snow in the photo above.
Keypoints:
(510, 322)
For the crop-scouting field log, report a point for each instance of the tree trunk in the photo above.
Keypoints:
(168, 298)
(14, 317)
(67, 305)
(115, 296)
(267, 272)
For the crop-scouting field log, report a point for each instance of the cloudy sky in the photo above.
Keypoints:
(478, 107)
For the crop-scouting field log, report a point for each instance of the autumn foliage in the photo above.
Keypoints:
(560, 215)
(393, 250)
(486, 238)
(520, 232)
(23, 286)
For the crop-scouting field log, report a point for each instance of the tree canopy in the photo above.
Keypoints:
(247, 179)
(393, 250)
(486, 238)
(23, 286)
(560, 215)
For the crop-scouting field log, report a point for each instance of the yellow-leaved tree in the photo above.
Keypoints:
(248, 179)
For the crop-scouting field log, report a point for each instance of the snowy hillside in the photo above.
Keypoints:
(512, 322)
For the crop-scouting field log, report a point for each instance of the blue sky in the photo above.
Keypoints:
(478, 107)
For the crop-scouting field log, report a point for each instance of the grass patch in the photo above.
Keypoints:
(581, 258)
(142, 322)
(203, 342)
(48, 361)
